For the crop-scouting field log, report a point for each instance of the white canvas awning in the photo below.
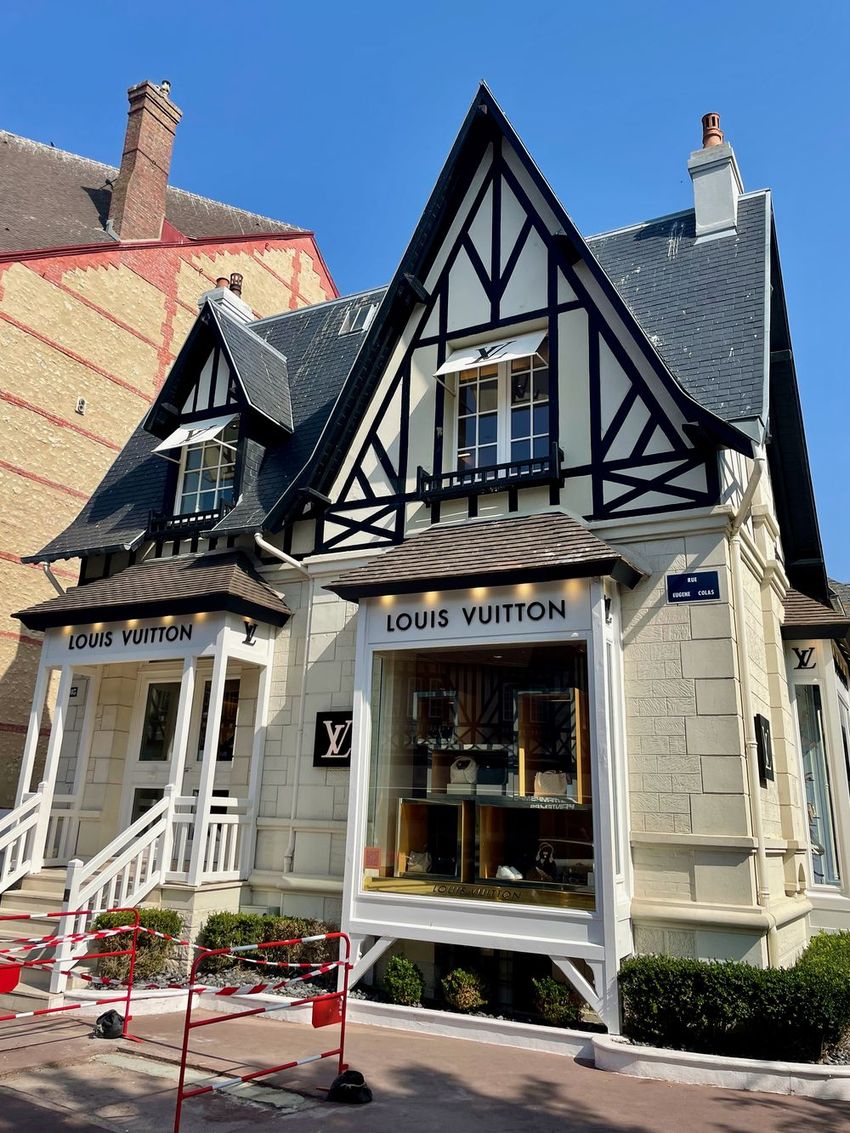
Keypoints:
(195, 433)
(503, 350)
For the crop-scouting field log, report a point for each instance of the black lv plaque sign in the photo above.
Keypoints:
(804, 658)
(333, 739)
(250, 633)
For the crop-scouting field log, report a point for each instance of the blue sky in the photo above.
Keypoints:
(338, 117)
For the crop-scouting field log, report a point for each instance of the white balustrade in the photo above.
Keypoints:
(18, 832)
(228, 817)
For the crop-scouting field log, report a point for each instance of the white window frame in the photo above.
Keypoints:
(184, 471)
(503, 412)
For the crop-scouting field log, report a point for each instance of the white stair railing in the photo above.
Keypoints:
(18, 837)
(121, 875)
(222, 856)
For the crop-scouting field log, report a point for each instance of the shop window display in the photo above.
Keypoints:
(480, 777)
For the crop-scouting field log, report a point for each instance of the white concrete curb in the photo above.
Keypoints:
(612, 1054)
(803, 1078)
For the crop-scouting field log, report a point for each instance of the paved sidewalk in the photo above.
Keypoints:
(54, 1077)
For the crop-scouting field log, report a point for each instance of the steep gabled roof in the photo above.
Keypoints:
(52, 199)
(259, 368)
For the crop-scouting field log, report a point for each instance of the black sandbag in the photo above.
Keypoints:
(109, 1025)
(350, 1088)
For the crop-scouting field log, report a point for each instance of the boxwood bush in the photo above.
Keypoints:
(225, 930)
(403, 981)
(556, 1003)
(152, 954)
(791, 1014)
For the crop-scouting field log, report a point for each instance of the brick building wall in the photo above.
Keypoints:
(103, 325)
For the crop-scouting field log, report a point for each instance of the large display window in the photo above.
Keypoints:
(480, 775)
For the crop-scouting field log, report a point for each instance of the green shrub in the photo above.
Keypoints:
(832, 947)
(730, 1008)
(556, 1003)
(403, 981)
(227, 930)
(152, 954)
(463, 990)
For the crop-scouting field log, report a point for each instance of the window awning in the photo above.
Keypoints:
(503, 350)
(195, 433)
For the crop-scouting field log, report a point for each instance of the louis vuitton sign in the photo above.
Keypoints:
(525, 611)
(332, 747)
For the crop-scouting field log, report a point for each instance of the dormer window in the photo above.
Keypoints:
(207, 472)
(358, 320)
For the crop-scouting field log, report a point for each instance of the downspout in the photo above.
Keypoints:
(51, 577)
(270, 549)
(750, 742)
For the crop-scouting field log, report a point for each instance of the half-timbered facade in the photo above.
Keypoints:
(514, 535)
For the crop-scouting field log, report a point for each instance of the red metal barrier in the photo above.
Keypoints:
(12, 968)
(328, 1009)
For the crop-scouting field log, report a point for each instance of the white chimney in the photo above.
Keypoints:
(227, 294)
(717, 182)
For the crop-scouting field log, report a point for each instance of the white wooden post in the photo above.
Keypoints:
(72, 834)
(51, 766)
(180, 743)
(33, 728)
(205, 788)
(255, 777)
(66, 926)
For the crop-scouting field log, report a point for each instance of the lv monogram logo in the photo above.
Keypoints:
(250, 633)
(336, 737)
(804, 658)
(486, 353)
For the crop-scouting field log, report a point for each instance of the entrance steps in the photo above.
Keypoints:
(41, 892)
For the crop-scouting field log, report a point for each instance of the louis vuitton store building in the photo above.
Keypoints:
(487, 799)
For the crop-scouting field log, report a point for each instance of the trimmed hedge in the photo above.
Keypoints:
(790, 1014)
(152, 954)
(464, 990)
(226, 930)
(556, 1003)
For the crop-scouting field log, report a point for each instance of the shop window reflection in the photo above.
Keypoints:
(480, 772)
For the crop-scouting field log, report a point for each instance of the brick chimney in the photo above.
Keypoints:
(717, 182)
(137, 209)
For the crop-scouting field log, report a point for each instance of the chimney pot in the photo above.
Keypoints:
(236, 283)
(222, 281)
(712, 135)
(137, 208)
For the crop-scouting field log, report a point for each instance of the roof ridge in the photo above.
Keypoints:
(63, 153)
(315, 306)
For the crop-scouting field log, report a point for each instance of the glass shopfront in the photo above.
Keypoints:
(480, 775)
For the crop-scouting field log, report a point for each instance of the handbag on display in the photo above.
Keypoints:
(418, 861)
(463, 770)
(550, 783)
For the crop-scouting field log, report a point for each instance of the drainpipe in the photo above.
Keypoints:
(750, 742)
(52, 579)
(270, 549)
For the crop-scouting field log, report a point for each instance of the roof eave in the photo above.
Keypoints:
(614, 567)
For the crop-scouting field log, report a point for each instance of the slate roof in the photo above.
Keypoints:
(702, 304)
(804, 617)
(550, 545)
(215, 581)
(841, 590)
(52, 199)
(261, 369)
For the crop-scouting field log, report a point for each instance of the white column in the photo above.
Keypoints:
(202, 805)
(51, 765)
(181, 725)
(72, 832)
(31, 742)
(255, 776)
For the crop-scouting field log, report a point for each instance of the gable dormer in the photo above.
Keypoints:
(226, 398)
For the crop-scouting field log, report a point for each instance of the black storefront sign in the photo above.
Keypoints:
(695, 586)
(765, 748)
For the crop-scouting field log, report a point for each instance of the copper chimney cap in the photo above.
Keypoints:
(712, 135)
(222, 281)
(236, 283)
